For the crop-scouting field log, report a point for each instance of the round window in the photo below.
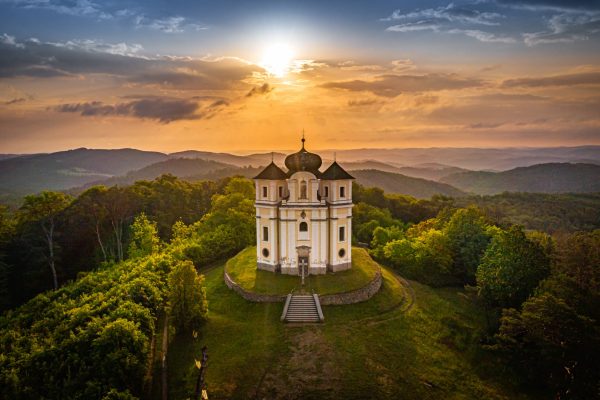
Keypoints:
(265, 252)
(342, 253)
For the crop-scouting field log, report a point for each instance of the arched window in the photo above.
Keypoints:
(303, 190)
(303, 227)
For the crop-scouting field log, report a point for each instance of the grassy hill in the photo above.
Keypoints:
(397, 183)
(542, 178)
(381, 349)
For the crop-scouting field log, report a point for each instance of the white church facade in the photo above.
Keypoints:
(303, 216)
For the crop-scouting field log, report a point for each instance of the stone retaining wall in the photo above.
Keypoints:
(251, 296)
(354, 296)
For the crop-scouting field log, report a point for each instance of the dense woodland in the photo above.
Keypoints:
(84, 280)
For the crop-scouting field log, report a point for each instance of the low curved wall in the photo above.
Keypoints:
(354, 296)
(251, 296)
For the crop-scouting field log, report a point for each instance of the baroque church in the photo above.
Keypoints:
(303, 216)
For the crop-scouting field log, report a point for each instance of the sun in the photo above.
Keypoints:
(277, 59)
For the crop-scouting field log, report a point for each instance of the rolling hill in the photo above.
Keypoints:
(185, 168)
(66, 169)
(401, 184)
(542, 178)
(500, 159)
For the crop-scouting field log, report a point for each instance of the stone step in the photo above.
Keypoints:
(302, 308)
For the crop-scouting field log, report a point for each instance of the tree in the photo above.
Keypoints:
(511, 267)
(551, 343)
(144, 237)
(468, 239)
(89, 205)
(120, 205)
(43, 209)
(578, 256)
(187, 296)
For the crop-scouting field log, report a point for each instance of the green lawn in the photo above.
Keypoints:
(371, 350)
(242, 269)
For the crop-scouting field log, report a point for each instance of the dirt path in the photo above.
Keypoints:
(308, 366)
(165, 347)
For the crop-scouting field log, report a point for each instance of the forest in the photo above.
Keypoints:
(84, 280)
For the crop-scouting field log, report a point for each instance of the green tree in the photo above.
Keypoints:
(468, 239)
(187, 296)
(43, 209)
(144, 237)
(550, 343)
(511, 267)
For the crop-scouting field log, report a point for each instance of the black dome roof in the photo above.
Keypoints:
(303, 161)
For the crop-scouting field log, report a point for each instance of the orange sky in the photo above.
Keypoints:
(440, 87)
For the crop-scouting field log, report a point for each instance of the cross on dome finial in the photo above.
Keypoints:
(303, 139)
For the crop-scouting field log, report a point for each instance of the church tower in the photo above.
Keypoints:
(303, 216)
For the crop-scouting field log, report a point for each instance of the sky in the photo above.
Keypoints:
(245, 76)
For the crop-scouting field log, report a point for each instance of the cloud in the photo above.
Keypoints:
(10, 41)
(394, 85)
(259, 90)
(482, 36)
(551, 5)
(163, 109)
(85, 8)
(363, 102)
(486, 125)
(445, 20)
(449, 13)
(98, 46)
(402, 65)
(415, 26)
(123, 61)
(15, 101)
(583, 78)
(566, 27)
(174, 24)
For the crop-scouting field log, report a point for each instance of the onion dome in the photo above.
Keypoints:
(272, 172)
(303, 161)
(335, 172)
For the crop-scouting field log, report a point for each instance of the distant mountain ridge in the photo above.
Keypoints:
(541, 178)
(499, 159)
(65, 169)
(24, 174)
(402, 184)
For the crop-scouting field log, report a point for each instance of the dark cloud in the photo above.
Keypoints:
(14, 101)
(583, 78)
(394, 85)
(43, 60)
(362, 102)
(164, 110)
(486, 125)
(259, 90)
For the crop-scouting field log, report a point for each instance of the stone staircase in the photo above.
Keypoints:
(302, 308)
